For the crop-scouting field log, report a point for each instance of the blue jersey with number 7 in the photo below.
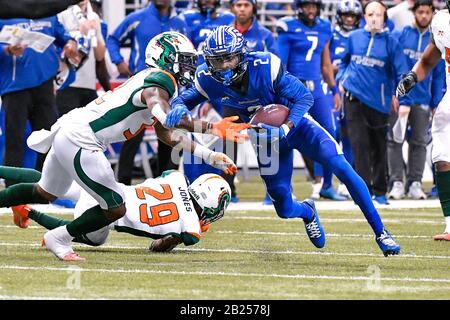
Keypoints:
(301, 46)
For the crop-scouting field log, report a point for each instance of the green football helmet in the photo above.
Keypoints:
(173, 52)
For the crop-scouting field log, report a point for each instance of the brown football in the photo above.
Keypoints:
(272, 114)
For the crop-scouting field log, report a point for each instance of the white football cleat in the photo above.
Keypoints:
(416, 192)
(397, 191)
(58, 241)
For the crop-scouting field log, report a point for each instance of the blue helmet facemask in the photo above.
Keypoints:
(227, 76)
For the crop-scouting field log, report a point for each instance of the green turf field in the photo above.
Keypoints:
(246, 255)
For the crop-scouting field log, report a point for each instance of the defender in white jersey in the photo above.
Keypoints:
(78, 139)
(164, 209)
(439, 47)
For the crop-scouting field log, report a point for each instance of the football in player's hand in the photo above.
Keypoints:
(272, 114)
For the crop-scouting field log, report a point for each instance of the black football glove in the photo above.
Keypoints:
(406, 84)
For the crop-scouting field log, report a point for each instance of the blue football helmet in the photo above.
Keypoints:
(225, 54)
(349, 7)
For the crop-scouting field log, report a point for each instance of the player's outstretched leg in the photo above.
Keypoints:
(278, 184)
(360, 194)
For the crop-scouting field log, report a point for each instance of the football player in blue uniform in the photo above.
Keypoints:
(348, 16)
(304, 43)
(245, 81)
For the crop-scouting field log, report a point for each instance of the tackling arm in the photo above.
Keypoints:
(157, 99)
(179, 140)
(427, 62)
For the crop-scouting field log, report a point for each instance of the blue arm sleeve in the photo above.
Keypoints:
(299, 99)
(122, 33)
(283, 47)
(437, 84)
(61, 35)
(190, 98)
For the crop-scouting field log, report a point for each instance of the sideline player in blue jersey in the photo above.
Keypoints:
(258, 37)
(202, 20)
(243, 81)
(348, 16)
(304, 44)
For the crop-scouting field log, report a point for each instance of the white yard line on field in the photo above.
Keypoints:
(245, 251)
(15, 297)
(225, 274)
(272, 233)
(258, 206)
(336, 220)
(334, 235)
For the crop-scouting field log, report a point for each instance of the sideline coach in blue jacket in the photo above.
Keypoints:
(26, 85)
(372, 66)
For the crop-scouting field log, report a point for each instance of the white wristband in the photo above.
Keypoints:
(202, 152)
(159, 113)
(286, 129)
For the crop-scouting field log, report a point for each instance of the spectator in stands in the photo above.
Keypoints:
(138, 28)
(402, 14)
(83, 24)
(373, 62)
(26, 84)
(414, 108)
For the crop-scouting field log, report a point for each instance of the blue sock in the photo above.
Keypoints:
(358, 190)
